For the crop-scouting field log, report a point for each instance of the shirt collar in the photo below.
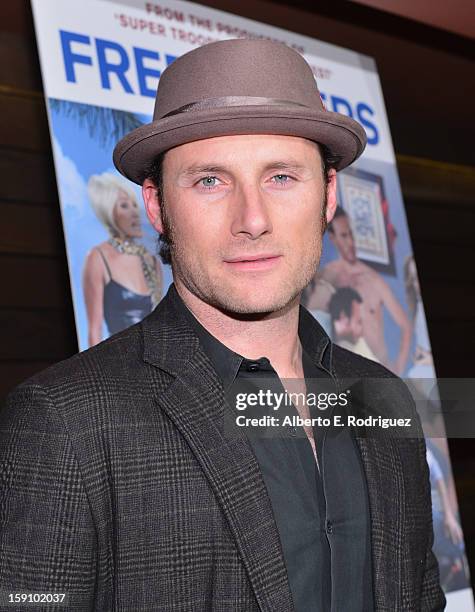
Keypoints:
(227, 363)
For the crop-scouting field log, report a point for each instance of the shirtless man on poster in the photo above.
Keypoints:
(349, 271)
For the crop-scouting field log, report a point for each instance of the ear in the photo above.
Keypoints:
(152, 205)
(331, 195)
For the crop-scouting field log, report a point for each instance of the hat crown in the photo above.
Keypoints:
(237, 86)
(238, 67)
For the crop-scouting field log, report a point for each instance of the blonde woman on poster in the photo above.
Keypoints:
(122, 280)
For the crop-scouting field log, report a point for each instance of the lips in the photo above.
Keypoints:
(253, 263)
(243, 258)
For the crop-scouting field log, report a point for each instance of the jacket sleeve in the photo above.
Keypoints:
(432, 596)
(47, 535)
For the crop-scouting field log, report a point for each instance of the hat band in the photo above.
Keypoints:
(208, 103)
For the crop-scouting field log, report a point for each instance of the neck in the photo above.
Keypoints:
(272, 335)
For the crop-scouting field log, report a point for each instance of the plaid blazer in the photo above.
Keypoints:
(118, 487)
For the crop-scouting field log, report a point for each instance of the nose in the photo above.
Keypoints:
(250, 213)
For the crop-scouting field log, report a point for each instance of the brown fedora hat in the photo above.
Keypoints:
(238, 86)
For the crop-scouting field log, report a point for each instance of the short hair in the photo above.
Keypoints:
(103, 190)
(329, 161)
(341, 302)
(155, 173)
(339, 213)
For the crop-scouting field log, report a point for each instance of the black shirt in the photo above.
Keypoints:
(321, 513)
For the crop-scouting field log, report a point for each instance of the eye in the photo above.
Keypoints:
(282, 179)
(208, 182)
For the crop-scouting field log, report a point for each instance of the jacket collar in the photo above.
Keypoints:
(169, 342)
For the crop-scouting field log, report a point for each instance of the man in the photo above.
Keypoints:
(349, 271)
(127, 483)
(347, 322)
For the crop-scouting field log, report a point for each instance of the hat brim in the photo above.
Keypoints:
(343, 136)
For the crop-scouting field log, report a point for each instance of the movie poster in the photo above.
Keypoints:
(101, 61)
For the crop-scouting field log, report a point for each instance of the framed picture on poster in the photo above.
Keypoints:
(362, 196)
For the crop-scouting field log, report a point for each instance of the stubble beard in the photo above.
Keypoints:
(199, 283)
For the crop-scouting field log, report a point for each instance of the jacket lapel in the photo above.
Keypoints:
(196, 404)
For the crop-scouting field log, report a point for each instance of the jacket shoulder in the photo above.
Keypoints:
(116, 358)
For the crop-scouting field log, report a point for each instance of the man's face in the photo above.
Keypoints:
(245, 216)
(342, 238)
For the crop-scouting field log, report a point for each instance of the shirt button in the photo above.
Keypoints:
(329, 527)
(253, 367)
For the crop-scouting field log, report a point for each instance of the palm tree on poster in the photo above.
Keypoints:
(106, 125)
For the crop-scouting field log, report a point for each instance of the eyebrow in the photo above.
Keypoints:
(195, 169)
